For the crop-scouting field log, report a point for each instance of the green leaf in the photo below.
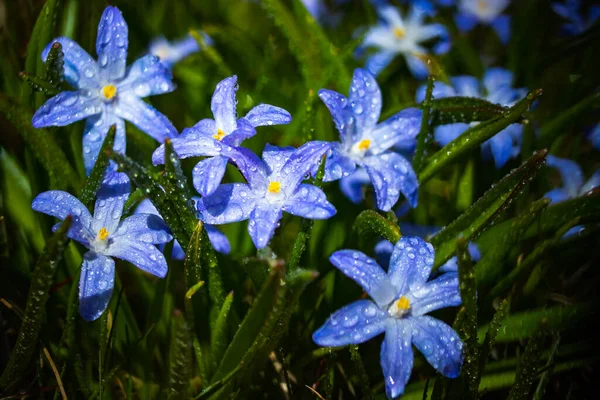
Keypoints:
(39, 84)
(425, 131)
(527, 368)
(371, 224)
(361, 372)
(452, 110)
(211, 53)
(35, 311)
(219, 339)
(490, 336)
(475, 136)
(180, 355)
(485, 210)
(54, 67)
(545, 378)
(93, 182)
(46, 150)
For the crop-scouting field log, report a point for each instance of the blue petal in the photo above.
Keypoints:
(411, 263)
(557, 195)
(423, 231)
(231, 202)
(178, 253)
(439, 293)
(275, 157)
(147, 76)
(383, 252)
(592, 183)
(143, 255)
(204, 128)
(337, 165)
(309, 202)
(111, 198)
(417, 67)
(264, 219)
(248, 163)
(402, 127)
(172, 53)
(443, 45)
(379, 61)
(364, 100)
(208, 174)
(594, 137)
(353, 324)
(440, 90)
(60, 204)
(223, 104)
(243, 131)
(570, 173)
(501, 26)
(81, 70)
(146, 228)
(391, 174)
(466, 85)
(94, 134)
(218, 239)
(146, 118)
(367, 273)
(444, 134)
(501, 146)
(396, 356)
(465, 22)
(336, 103)
(266, 114)
(188, 147)
(301, 162)
(496, 79)
(352, 185)
(111, 44)
(66, 108)
(439, 343)
(95, 285)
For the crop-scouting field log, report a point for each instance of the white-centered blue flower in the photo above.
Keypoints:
(486, 12)
(171, 53)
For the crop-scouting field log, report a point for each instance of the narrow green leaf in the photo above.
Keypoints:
(425, 126)
(452, 110)
(545, 378)
(39, 84)
(219, 339)
(93, 182)
(490, 336)
(361, 373)
(46, 150)
(475, 136)
(180, 355)
(35, 311)
(211, 53)
(527, 368)
(133, 201)
(54, 66)
(485, 210)
(370, 224)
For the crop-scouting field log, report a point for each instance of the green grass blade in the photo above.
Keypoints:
(527, 368)
(425, 131)
(180, 357)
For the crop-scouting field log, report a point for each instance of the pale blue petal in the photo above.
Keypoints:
(391, 174)
(439, 343)
(223, 104)
(95, 285)
(186, 147)
(61, 204)
(352, 324)
(352, 185)
(367, 273)
(592, 183)
(217, 238)
(266, 114)
(243, 131)
(557, 195)
(264, 219)
(309, 202)
(208, 174)
(146, 118)
(204, 128)
(300, 163)
(337, 165)
(379, 61)
(146, 228)
(81, 70)
(496, 79)
(66, 108)
(147, 76)
(231, 202)
(401, 127)
(501, 147)
(275, 157)
(111, 198)
(396, 356)
(440, 90)
(111, 44)
(143, 255)
(178, 253)
(417, 67)
(336, 103)
(94, 133)
(570, 174)
(501, 26)
(411, 263)
(248, 163)
(466, 85)
(438, 293)
(364, 100)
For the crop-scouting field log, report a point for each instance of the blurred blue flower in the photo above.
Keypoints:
(106, 236)
(496, 87)
(365, 143)
(572, 179)
(401, 298)
(594, 137)
(397, 35)
(107, 92)
(486, 12)
(218, 240)
(171, 53)
(571, 11)
(274, 184)
(209, 136)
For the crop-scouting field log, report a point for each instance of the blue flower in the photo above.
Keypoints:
(218, 240)
(107, 92)
(396, 35)
(571, 11)
(594, 137)
(171, 53)
(274, 185)
(572, 179)
(365, 143)
(384, 249)
(486, 12)
(496, 87)
(106, 236)
(401, 298)
(213, 137)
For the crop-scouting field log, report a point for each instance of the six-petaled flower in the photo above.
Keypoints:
(486, 12)
(571, 10)
(171, 53)
(106, 236)
(107, 93)
(401, 298)
(274, 184)
(495, 87)
(366, 144)
(226, 129)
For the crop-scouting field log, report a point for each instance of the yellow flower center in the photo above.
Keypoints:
(274, 187)
(219, 135)
(399, 33)
(109, 91)
(403, 303)
(103, 234)
(482, 5)
(364, 144)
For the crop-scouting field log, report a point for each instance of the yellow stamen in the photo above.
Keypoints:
(482, 5)
(403, 303)
(103, 234)
(399, 33)
(364, 144)
(219, 135)
(274, 187)
(109, 91)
